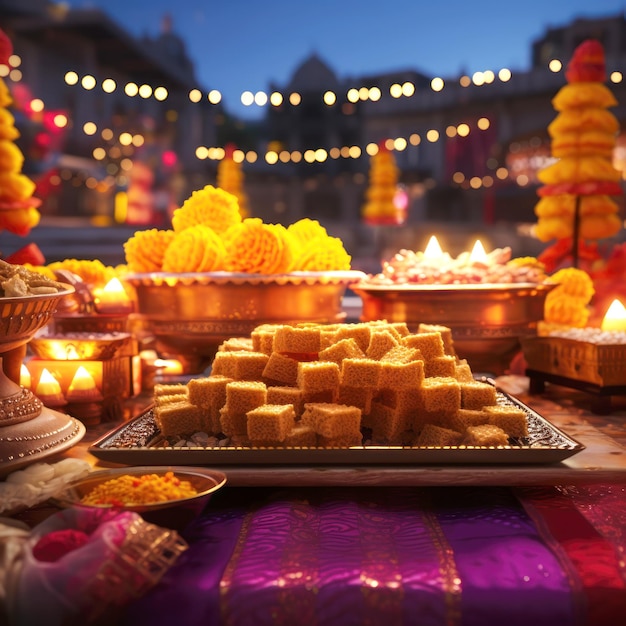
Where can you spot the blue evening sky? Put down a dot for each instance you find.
(240, 45)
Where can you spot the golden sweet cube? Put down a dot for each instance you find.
(286, 395)
(360, 373)
(326, 396)
(386, 423)
(270, 422)
(316, 376)
(179, 418)
(249, 365)
(441, 366)
(441, 394)
(163, 399)
(444, 331)
(406, 402)
(332, 420)
(236, 344)
(513, 421)
(485, 435)
(263, 338)
(401, 375)
(381, 341)
(224, 364)
(243, 396)
(342, 349)
(297, 340)
(172, 389)
(210, 393)
(464, 418)
(301, 436)
(359, 332)
(429, 344)
(199, 390)
(437, 436)
(355, 396)
(402, 354)
(233, 424)
(463, 372)
(282, 369)
(476, 394)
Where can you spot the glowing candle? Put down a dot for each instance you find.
(113, 298)
(171, 367)
(615, 317)
(83, 387)
(478, 254)
(25, 378)
(433, 249)
(49, 390)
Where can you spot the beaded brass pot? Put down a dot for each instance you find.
(29, 431)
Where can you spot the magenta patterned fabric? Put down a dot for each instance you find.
(385, 556)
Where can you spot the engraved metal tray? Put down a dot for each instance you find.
(139, 442)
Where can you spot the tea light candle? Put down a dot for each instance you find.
(113, 298)
(83, 387)
(49, 390)
(615, 317)
(433, 250)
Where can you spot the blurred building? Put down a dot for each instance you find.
(82, 141)
(468, 147)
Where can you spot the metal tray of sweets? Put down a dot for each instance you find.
(139, 442)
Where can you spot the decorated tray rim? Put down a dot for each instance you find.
(444, 288)
(240, 278)
(368, 455)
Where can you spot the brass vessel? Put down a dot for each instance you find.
(189, 315)
(487, 320)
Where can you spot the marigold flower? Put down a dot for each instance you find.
(323, 254)
(306, 229)
(93, 272)
(210, 206)
(196, 249)
(573, 282)
(254, 248)
(144, 251)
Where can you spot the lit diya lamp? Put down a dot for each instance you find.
(48, 390)
(112, 299)
(84, 397)
(615, 317)
(487, 299)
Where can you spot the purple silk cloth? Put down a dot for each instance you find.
(340, 556)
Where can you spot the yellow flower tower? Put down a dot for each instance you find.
(379, 206)
(230, 178)
(575, 199)
(18, 207)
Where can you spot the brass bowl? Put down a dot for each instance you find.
(487, 320)
(175, 514)
(189, 315)
(22, 317)
(84, 346)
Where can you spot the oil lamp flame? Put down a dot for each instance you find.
(433, 250)
(615, 317)
(478, 254)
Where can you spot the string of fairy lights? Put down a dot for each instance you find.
(275, 155)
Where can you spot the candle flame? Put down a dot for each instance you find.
(82, 380)
(172, 367)
(48, 384)
(25, 378)
(615, 317)
(114, 286)
(433, 249)
(478, 254)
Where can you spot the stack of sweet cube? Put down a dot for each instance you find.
(310, 385)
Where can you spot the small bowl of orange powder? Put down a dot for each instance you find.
(168, 496)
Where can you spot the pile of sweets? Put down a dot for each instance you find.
(583, 138)
(17, 281)
(312, 385)
(409, 267)
(208, 234)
